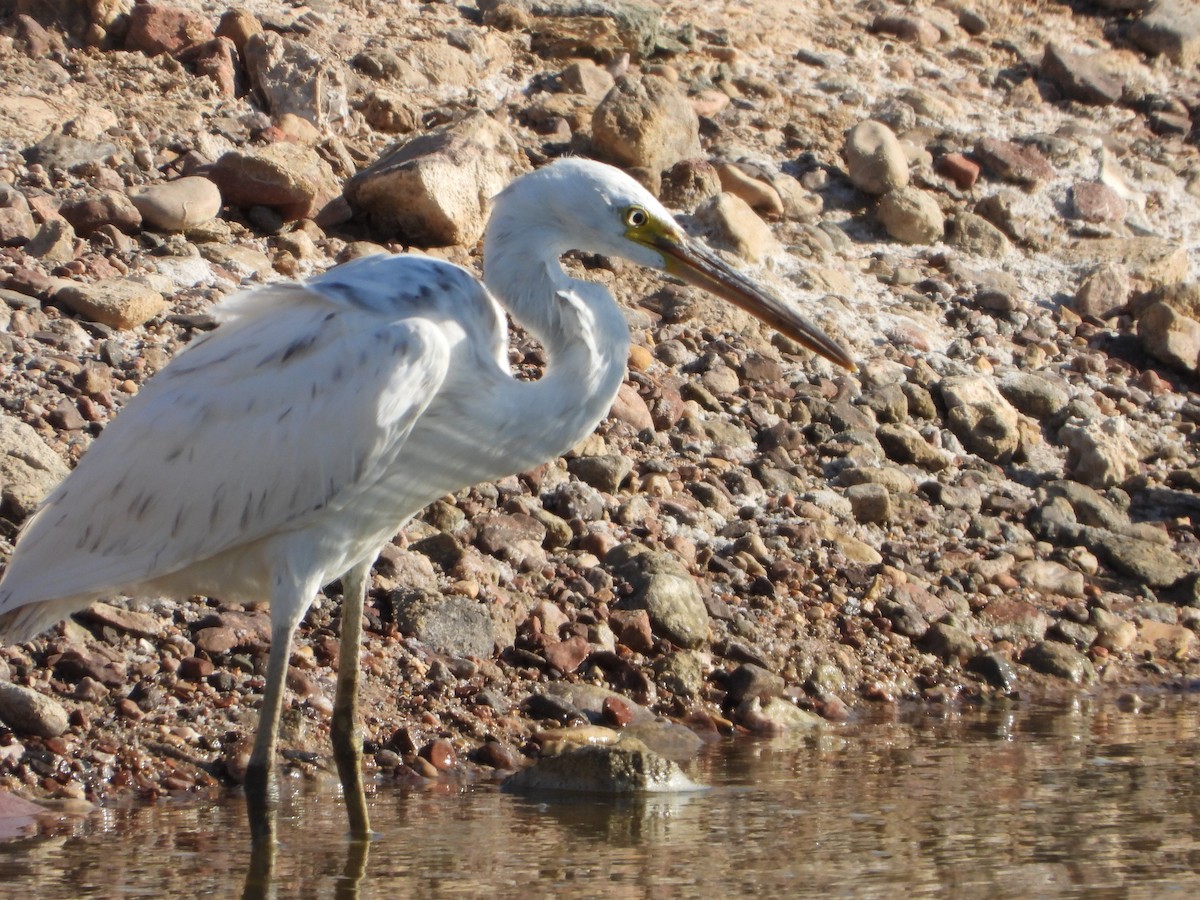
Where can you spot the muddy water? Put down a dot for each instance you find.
(1090, 800)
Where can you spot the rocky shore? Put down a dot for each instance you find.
(995, 206)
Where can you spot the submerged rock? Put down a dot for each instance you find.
(628, 767)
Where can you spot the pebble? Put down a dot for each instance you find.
(731, 224)
(983, 420)
(974, 234)
(871, 503)
(292, 77)
(911, 215)
(1170, 337)
(1093, 201)
(962, 171)
(180, 204)
(1104, 292)
(1017, 163)
(156, 28)
(1170, 28)
(118, 303)
(875, 159)
(107, 208)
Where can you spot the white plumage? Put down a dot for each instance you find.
(283, 449)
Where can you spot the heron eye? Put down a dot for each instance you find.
(636, 217)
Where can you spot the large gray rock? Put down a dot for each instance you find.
(628, 767)
(665, 589)
(1170, 28)
(452, 625)
(26, 711)
(434, 190)
(646, 123)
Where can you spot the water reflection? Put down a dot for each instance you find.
(1088, 800)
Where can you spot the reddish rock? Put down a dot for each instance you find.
(568, 655)
(155, 28)
(497, 755)
(616, 712)
(630, 408)
(228, 630)
(956, 167)
(289, 178)
(113, 208)
(216, 59)
(632, 628)
(127, 709)
(494, 533)
(1081, 77)
(127, 620)
(1013, 162)
(195, 668)
(440, 754)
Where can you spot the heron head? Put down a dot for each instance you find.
(634, 225)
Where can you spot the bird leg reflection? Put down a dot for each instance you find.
(344, 729)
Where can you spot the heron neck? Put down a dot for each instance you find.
(581, 328)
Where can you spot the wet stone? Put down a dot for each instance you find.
(995, 669)
(1060, 660)
(949, 642)
(628, 767)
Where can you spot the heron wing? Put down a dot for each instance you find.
(256, 428)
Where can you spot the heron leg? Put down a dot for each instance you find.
(289, 599)
(345, 729)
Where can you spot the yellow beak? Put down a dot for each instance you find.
(697, 265)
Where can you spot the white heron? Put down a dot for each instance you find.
(283, 449)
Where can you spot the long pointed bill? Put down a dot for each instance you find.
(699, 266)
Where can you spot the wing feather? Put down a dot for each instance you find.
(294, 405)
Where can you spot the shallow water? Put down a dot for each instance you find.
(1087, 800)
